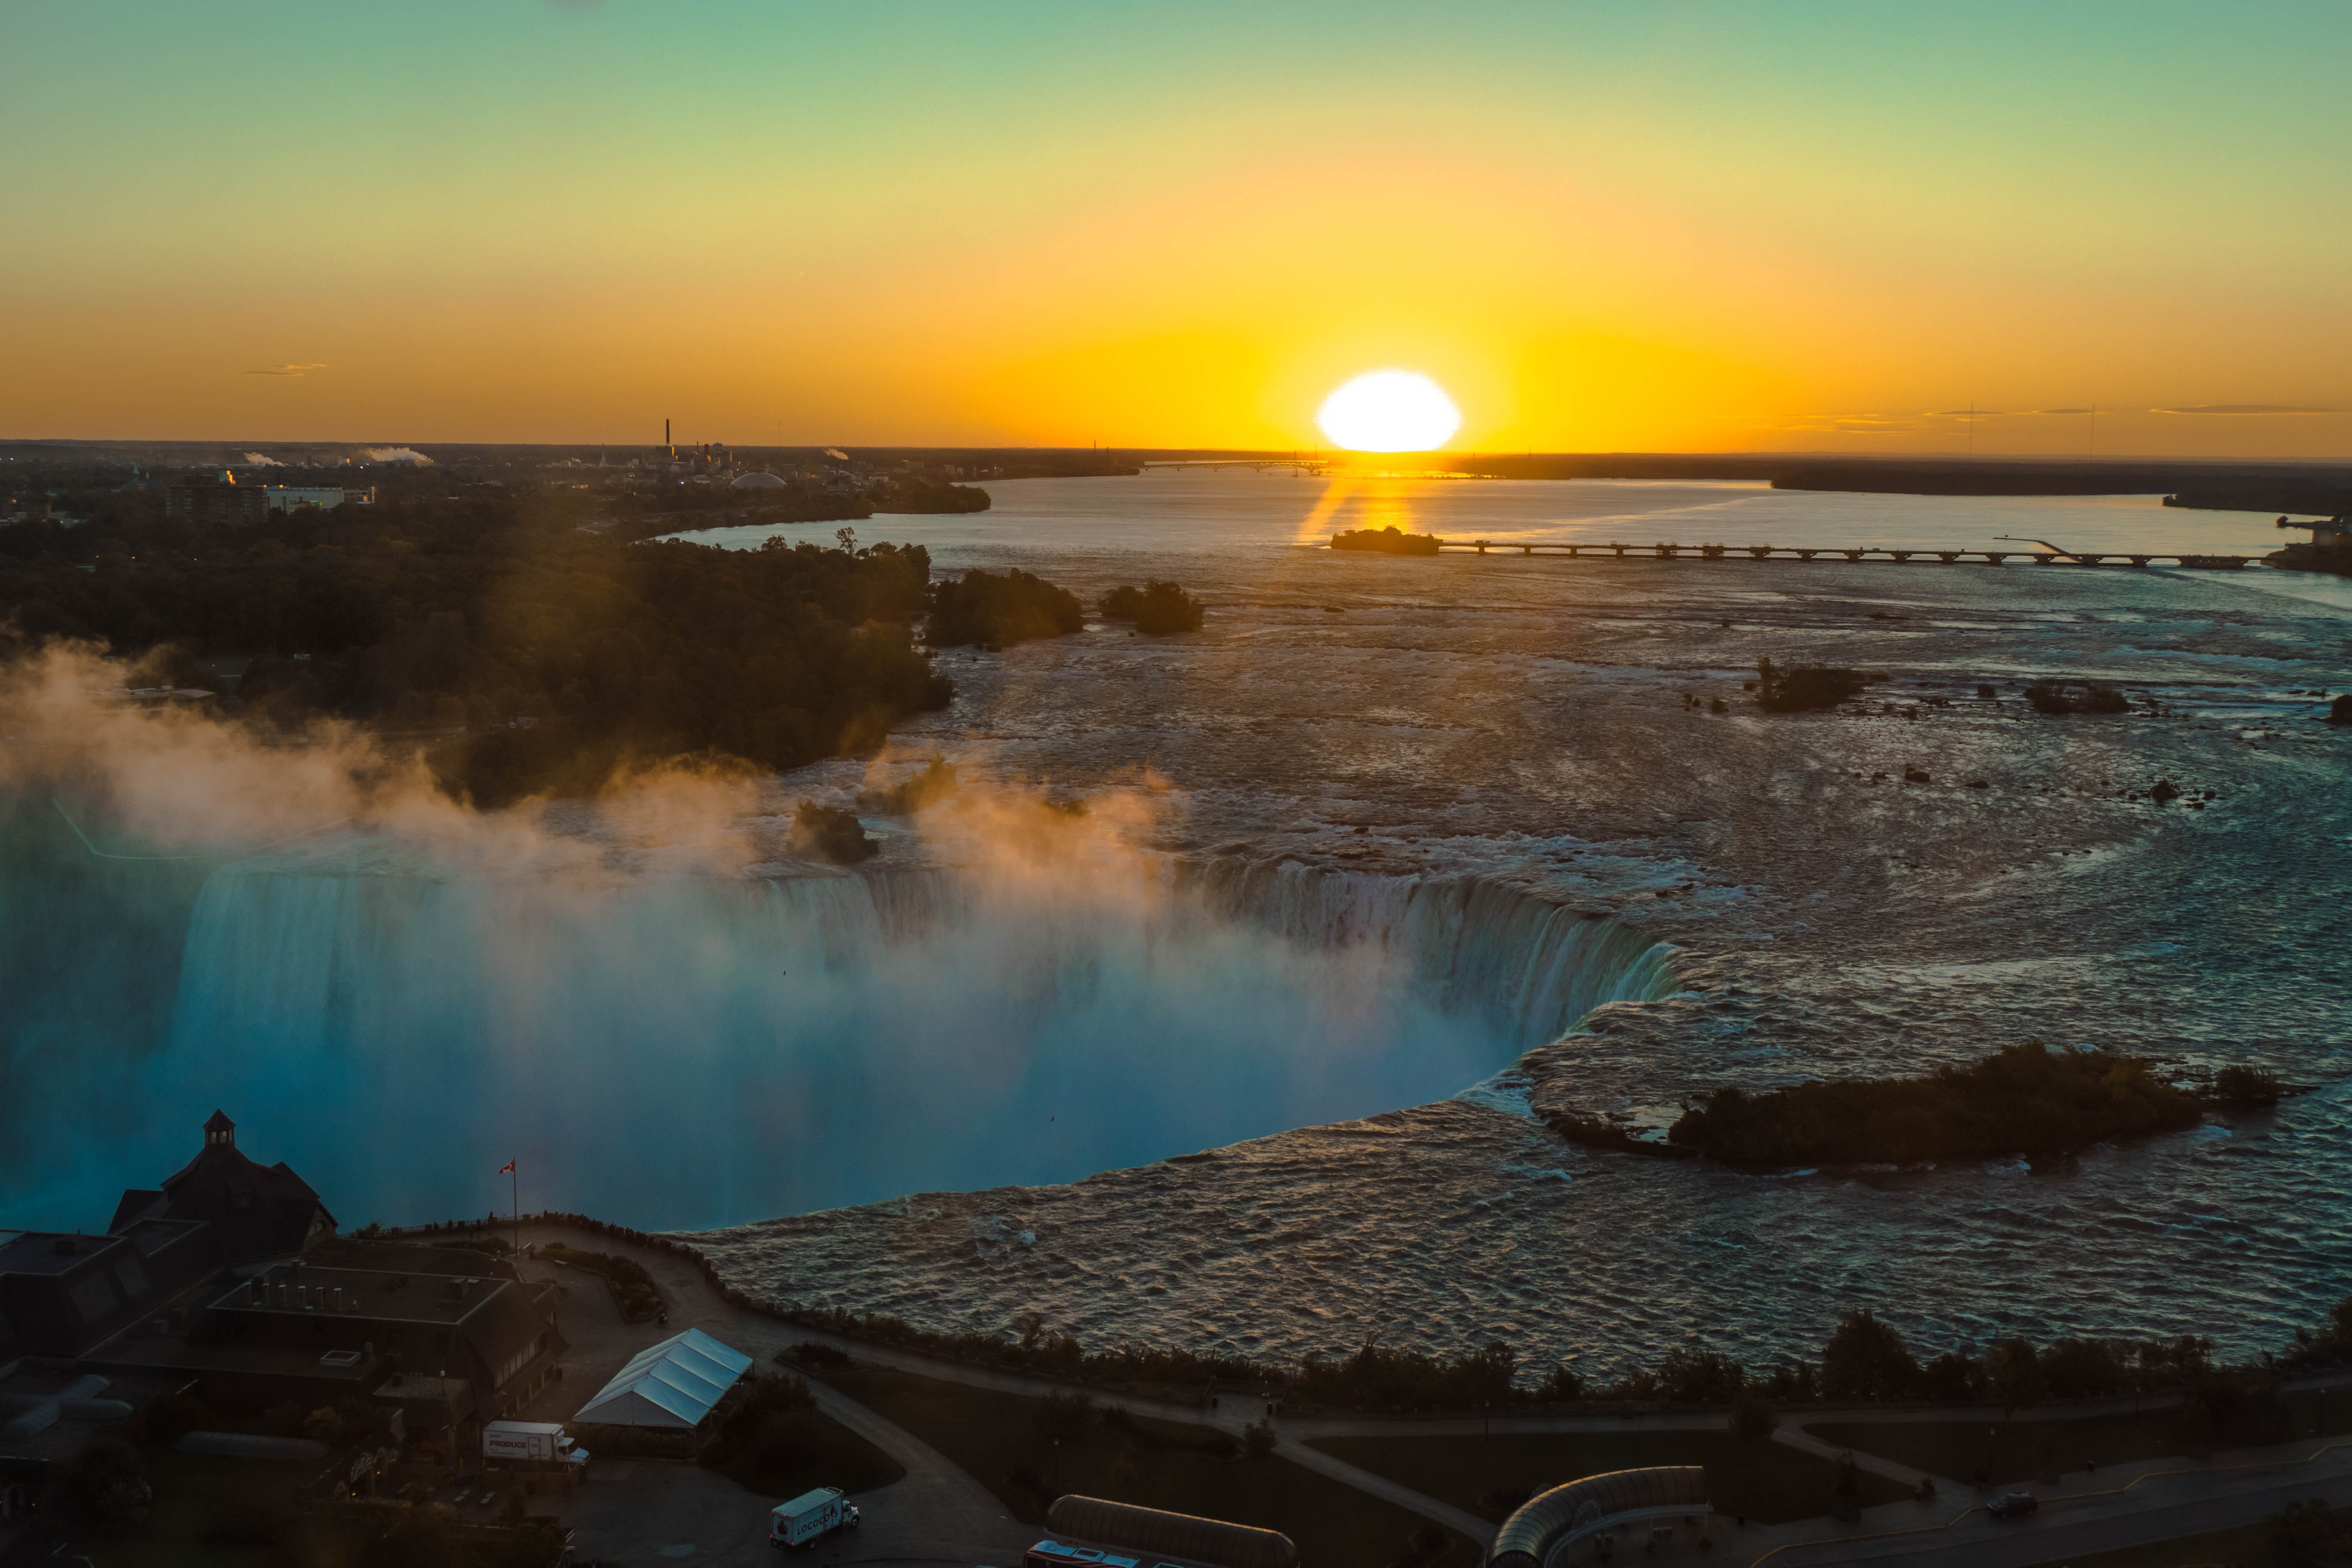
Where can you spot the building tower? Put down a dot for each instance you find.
(220, 1132)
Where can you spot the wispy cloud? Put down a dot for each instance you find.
(1846, 424)
(287, 370)
(1966, 413)
(2065, 411)
(2246, 408)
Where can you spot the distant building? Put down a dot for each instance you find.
(326, 497)
(222, 501)
(215, 502)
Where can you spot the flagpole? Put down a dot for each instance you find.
(514, 1169)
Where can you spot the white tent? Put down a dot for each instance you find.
(674, 1384)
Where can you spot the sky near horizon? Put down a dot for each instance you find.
(1696, 226)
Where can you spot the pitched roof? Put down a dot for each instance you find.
(677, 1383)
(255, 1210)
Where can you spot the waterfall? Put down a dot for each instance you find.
(693, 1051)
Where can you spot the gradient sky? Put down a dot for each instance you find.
(1684, 226)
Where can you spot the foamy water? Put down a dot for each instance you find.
(1418, 818)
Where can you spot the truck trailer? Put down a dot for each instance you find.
(808, 1516)
(530, 1443)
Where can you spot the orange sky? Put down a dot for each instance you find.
(1703, 226)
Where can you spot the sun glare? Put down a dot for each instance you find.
(1389, 411)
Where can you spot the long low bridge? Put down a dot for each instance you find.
(2049, 556)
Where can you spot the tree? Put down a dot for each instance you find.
(1753, 1419)
(1157, 608)
(1695, 1376)
(1867, 1359)
(1258, 1439)
(2013, 1374)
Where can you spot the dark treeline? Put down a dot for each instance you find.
(1156, 610)
(2022, 1100)
(547, 657)
(997, 610)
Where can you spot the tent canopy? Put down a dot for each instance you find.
(674, 1384)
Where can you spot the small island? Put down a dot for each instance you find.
(1389, 541)
(2022, 1100)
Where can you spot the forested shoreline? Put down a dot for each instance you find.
(546, 657)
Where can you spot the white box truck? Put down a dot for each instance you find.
(800, 1521)
(530, 1442)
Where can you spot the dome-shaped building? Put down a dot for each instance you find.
(755, 483)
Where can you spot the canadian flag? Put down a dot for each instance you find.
(507, 1168)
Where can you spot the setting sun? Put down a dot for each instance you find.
(1389, 411)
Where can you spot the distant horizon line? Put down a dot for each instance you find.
(1265, 453)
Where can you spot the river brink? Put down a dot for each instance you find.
(1526, 721)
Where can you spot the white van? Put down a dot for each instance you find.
(800, 1521)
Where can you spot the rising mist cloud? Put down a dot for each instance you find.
(287, 370)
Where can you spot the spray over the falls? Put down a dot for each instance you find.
(670, 1032)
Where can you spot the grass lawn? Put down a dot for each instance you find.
(2029, 1450)
(1160, 1464)
(1767, 1481)
(804, 1451)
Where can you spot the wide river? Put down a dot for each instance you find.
(1392, 855)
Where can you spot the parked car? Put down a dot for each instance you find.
(2014, 1505)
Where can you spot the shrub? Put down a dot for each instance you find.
(2239, 1409)
(817, 1355)
(999, 611)
(829, 833)
(322, 1425)
(2240, 1085)
(1258, 1439)
(106, 1487)
(1753, 1419)
(2313, 1532)
(2062, 697)
(639, 1298)
(1562, 1384)
(1694, 1376)
(1157, 607)
(1804, 689)
(2013, 1374)
(1064, 1417)
(1376, 1377)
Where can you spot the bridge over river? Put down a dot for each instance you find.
(2047, 555)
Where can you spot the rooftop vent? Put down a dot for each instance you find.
(340, 1358)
